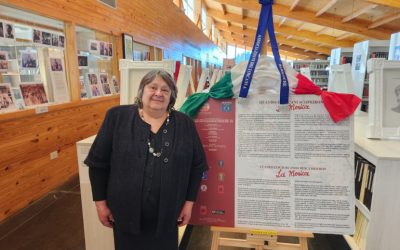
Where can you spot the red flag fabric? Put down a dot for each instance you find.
(338, 105)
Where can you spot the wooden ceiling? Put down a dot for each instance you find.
(306, 29)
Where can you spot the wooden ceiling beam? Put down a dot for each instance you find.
(345, 35)
(283, 19)
(390, 3)
(326, 7)
(301, 26)
(282, 48)
(384, 20)
(253, 22)
(282, 52)
(291, 42)
(359, 12)
(357, 26)
(294, 4)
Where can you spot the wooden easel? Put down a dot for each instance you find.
(258, 239)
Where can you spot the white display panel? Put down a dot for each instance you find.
(384, 98)
(182, 83)
(203, 79)
(132, 73)
(340, 79)
(394, 49)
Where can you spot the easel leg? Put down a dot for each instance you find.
(215, 240)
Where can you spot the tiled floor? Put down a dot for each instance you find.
(55, 223)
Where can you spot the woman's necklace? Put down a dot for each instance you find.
(165, 131)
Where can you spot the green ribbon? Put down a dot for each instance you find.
(221, 90)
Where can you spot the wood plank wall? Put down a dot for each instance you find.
(26, 172)
(27, 139)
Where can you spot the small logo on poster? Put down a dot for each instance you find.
(226, 107)
(221, 189)
(221, 176)
(218, 212)
(205, 107)
(203, 210)
(203, 188)
(205, 175)
(220, 163)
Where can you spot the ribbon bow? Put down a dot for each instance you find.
(339, 106)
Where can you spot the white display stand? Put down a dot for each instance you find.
(394, 49)
(132, 73)
(203, 78)
(340, 79)
(182, 83)
(361, 53)
(97, 236)
(214, 77)
(219, 75)
(384, 218)
(384, 106)
(338, 53)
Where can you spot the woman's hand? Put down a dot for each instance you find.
(186, 213)
(104, 214)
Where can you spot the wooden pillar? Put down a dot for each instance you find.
(71, 64)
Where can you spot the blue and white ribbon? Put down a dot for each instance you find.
(265, 22)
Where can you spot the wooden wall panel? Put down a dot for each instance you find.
(26, 171)
(171, 30)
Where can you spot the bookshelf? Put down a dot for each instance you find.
(377, 169)
(318, 70)
(363, 51)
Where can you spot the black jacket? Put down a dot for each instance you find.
(120, 148)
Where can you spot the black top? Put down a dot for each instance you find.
(120, 160)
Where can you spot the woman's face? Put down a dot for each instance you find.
(156, 95)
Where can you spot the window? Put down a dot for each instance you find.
(240, 55)
(188, 6)
(230, 54)
(203, 18)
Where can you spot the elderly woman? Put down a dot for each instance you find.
(145, 167)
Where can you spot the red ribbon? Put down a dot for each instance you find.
(339, 106)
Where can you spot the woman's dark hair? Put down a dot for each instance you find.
(149, 77)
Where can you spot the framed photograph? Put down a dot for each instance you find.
(37, 36)
(7, 102)
(110, 50)
(54, 40)
(84, 91)
(46, 38)
(3, 65)
(19, 101)
(127, 45)
(105, 84)
(95, 87)
(102, 49)
(1, 30)
(115, 85)
(29, 59)
(384, 99)
(33, 93)
(3, 55)
(94, 46)
(82, 61)
(56, 64)
(9, 31)
(61, 41)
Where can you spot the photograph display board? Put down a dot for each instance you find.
(384, 97)
(293, 170)
(340, 79)
(394, 49)
(359, 66)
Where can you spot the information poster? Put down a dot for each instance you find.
(216, 126)
(293, 170)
